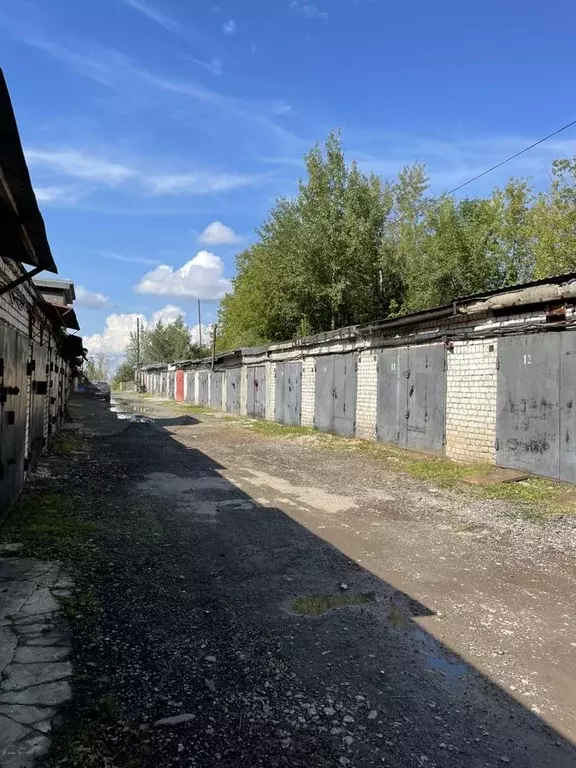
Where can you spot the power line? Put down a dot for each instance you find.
(512, 157)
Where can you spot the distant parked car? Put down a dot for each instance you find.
(104, 388)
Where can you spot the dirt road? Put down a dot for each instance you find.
(459, 651)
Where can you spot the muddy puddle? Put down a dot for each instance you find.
(128, 412)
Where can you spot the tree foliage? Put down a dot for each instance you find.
(351, 247)
(163, 343)
(97, 367)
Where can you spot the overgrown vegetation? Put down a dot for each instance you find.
(352, 247)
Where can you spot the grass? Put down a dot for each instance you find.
(317, 605)
(396, 617)
(46, 525)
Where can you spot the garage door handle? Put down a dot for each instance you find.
(407, 415)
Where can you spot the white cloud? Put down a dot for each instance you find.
(196, 183)
(200, 278)
(217, 233)
(214, 65)
(115, 336)
(154, 15)
(90, 299)
(308, 10)
(229, 27)
(167, 314)
(128, 259)
(83, 165)
(57, 195)
(80, 165)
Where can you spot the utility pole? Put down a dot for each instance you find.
(199, 327)
(214, 344)
(137, 377)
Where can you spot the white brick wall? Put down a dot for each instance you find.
(471, 400)
(270, 391)
(308, 391)
(366, 392)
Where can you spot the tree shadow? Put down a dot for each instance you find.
(197, 587)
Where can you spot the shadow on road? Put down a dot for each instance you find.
(196, 579)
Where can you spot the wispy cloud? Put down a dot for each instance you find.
(80, 165)
(100, 171)
(90, 299)
(128, 259)
(57, 195)
(171, 25)
(229, 27)
(308, 10)
(214, 66)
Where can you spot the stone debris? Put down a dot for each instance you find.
(185, 717)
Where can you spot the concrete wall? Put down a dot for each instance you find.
(308, 391)
(270, 391)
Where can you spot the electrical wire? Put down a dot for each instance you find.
(512, 157)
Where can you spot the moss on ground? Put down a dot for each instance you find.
(317, 605)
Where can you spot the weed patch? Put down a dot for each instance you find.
(317, 605)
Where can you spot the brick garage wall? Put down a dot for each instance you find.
(471, 400)
(270, 391)
(308, 391)
(366, 391)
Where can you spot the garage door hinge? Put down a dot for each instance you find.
(497, 444)
(497, 364)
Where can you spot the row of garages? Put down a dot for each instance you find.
(502, 396)
(38, 357)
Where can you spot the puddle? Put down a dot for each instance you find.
(134, 414)
(438, 661)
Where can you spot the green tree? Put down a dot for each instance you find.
(97, 367)
(553, 222)
(124, 372)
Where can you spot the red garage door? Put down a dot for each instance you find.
(179, 386)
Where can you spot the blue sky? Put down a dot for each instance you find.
(147, 121)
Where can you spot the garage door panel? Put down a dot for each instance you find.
(345, 395)
(388, 396)
(287, 405)
(426, 398)
(324, 405)
(216, 390)
(528, 410)
(233, 390)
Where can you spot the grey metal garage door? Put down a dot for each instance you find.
(411, 397)
(190, 384)
(38, 394)
(233, 390)
(203, 389)
(536, 414)
(256, 392)
(288, 392)
(335, 398)
(13, 407)
(171, 384)
(216, 390)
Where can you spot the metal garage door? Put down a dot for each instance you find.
(216, 390)
(13, 406)
(190, 384)
(388, 411)
(335, 399)
(171, 384)
(411, 398)
(536, 418)
(203, 390)
(256, 392)
(288, 392)
(38, 395)
(233, 390)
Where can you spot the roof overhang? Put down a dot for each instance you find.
(72, 346)
(22, 231)
(65, 287)
(63, 316)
